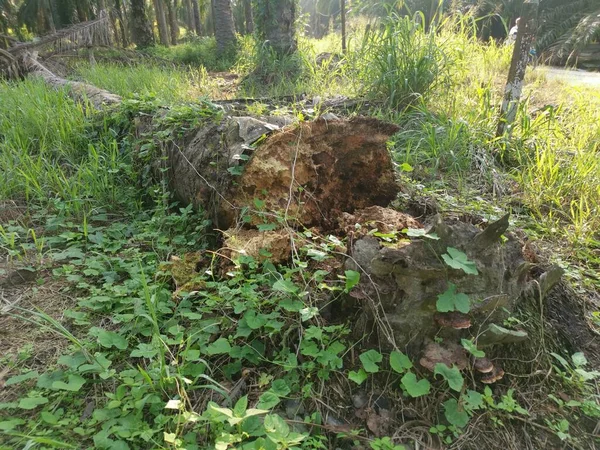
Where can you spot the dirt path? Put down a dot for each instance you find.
(573, 77)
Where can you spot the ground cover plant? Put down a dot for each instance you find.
(125, 325)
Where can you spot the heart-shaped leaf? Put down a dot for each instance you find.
(450, 300)
(358, 377)
(458, 260)
(370, 360)
(451, 375)
(413, 387)
(400, 362)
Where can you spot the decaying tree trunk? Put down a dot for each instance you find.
(336, 177)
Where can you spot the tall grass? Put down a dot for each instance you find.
(48, 152)
(167, 84)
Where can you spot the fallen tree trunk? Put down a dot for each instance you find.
(79, 91)
(261, 180)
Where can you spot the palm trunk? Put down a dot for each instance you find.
(172, 16)
(224, 29)
(122, 23)
(248, 15)
(197, 23)
(141, 30)
(163, 31)
(189, 16)
(276, 21)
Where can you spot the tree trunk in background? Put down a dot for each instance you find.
(163, 31)
(248, 15)
(122, 26)
(224, 29)
(141, 30)
(275, 22)
(189, 16)
(518, 66)
(172, 16)
(197, 22)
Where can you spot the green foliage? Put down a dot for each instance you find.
(451, 374)
(400, 63)
(458, 260)
(450, 300)
(415, 388)
(371, 360)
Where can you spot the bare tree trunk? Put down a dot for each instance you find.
(163, 31)
(224, 29)
(518, 66)
(172, 16)
(141, 30)
(248, 15)
(197, 22)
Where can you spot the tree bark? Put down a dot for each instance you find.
(173, 24)
(276, 24)
(518, 67)
(141, 29)
(163, 31)
(248, 16)
(197, 21)
(224, 29)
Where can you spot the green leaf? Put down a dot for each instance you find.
(579, 359)
(452, 375)
(413, 387)
(110, 339)
(420, 232)
(291, 305)
(20, 378)
(450, 300)
(458, 260)
(267, 400)
(470, 346)
(352, 279)
(472, 400)
(219, 347)
(240, 407)
(276, 426)
(370, 360)
(454, 414)
(280, 388)
(49, 418)
(399, 362)
(358, 377)
(308, 313)
(9, 425)
(32, 402)
(254, 320)
(74, 384)
(285, 286)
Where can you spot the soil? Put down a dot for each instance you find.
(23, 342)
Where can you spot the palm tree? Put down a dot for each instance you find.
(141, 30)
(565, 27)
(224, 30)
(276, 24)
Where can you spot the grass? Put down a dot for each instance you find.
(156, 367)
